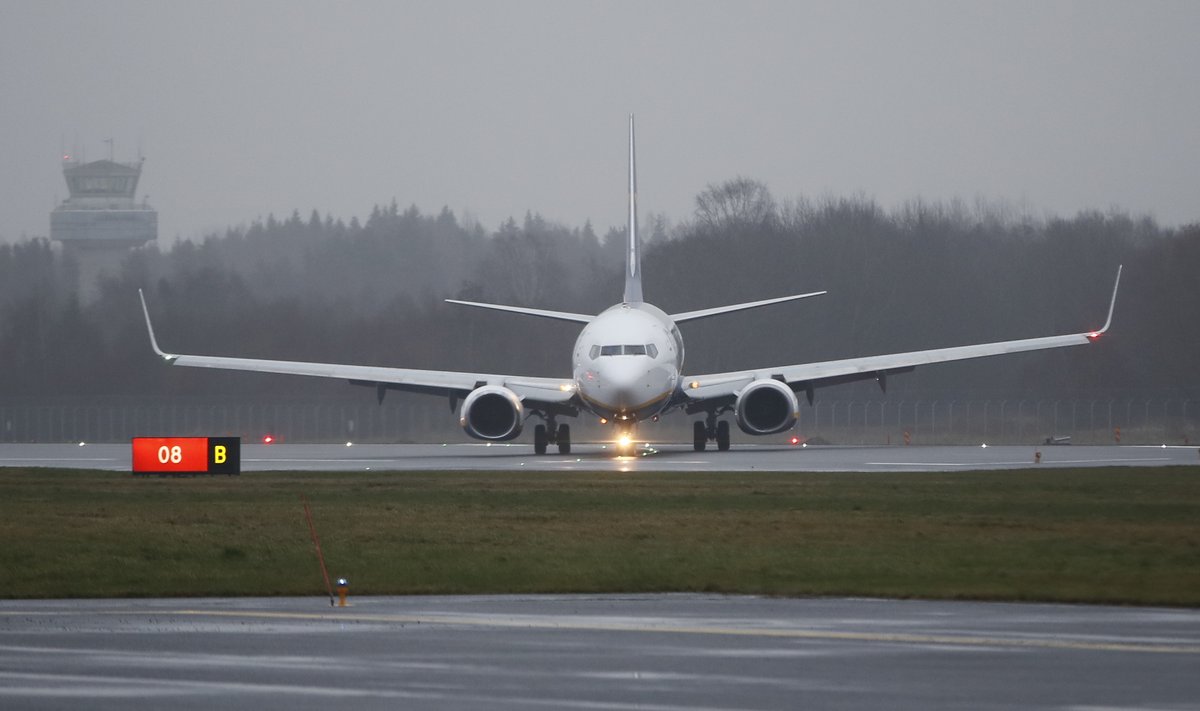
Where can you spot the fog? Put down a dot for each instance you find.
(245, 110)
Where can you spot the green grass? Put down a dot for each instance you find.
(1103, 535)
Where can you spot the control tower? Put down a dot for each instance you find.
(101, 222)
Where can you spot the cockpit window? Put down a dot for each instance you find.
(594, 352)
(634, 349)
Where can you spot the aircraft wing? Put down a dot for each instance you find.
(555, 391)
(806, 376)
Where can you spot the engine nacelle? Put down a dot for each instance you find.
(493, 413)
(766, 407)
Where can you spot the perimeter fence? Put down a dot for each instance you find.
(1133, 420)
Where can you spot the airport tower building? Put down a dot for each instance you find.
(101, 222)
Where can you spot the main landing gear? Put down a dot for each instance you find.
(544, 436)
(710, 429)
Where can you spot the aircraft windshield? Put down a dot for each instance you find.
(601, 351)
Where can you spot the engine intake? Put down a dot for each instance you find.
(493, 413)
(766, 407)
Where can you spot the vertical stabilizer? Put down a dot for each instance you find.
(633, 266)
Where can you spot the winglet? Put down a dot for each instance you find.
(633, 268)
(1112, 305)
(150, 329)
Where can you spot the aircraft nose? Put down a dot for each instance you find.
(623, 373)
(625, 380)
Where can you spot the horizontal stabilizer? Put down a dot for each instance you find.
(557, 315)
(705, 313)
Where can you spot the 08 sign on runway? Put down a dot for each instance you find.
(186, 455)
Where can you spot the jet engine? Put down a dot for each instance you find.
(493, 413)
(766, 407)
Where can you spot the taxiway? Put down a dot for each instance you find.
(660, 652)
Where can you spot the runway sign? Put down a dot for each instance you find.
(187, 455)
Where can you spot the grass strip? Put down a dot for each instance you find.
(1109, 535)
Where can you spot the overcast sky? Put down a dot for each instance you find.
(494, 108)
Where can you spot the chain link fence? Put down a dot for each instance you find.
(1130, 420)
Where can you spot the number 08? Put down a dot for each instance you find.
(173, 455)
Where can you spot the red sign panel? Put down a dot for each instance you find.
(186, 455)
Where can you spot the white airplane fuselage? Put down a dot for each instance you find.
(627, 362)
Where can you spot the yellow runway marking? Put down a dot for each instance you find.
(569, 624)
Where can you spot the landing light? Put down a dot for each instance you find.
(624, 441)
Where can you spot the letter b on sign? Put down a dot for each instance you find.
(224, 455)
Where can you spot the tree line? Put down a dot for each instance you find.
(923, 275)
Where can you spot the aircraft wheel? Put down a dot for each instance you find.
(564, 439)
(699, 436)
(723, 436)
(539, 439)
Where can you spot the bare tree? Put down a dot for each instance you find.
(738, 202)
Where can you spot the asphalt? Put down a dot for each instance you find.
(651, 457)
(660, 652)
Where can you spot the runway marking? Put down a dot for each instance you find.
(570, 624)
(45, 685)
(1103, 461)
(1023, 461)
(944, 464)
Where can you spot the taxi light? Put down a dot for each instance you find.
(624, 441)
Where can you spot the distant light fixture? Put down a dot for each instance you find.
(349, 444)
(268, 439)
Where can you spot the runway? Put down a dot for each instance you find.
(659, 652)
(652, 457)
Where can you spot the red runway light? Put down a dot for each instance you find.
(268, 439)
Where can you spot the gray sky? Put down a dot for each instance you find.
(249, 108)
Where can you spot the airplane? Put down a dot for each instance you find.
(627, 368)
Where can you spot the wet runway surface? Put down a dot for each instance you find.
(594, 652)
(666, 457)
